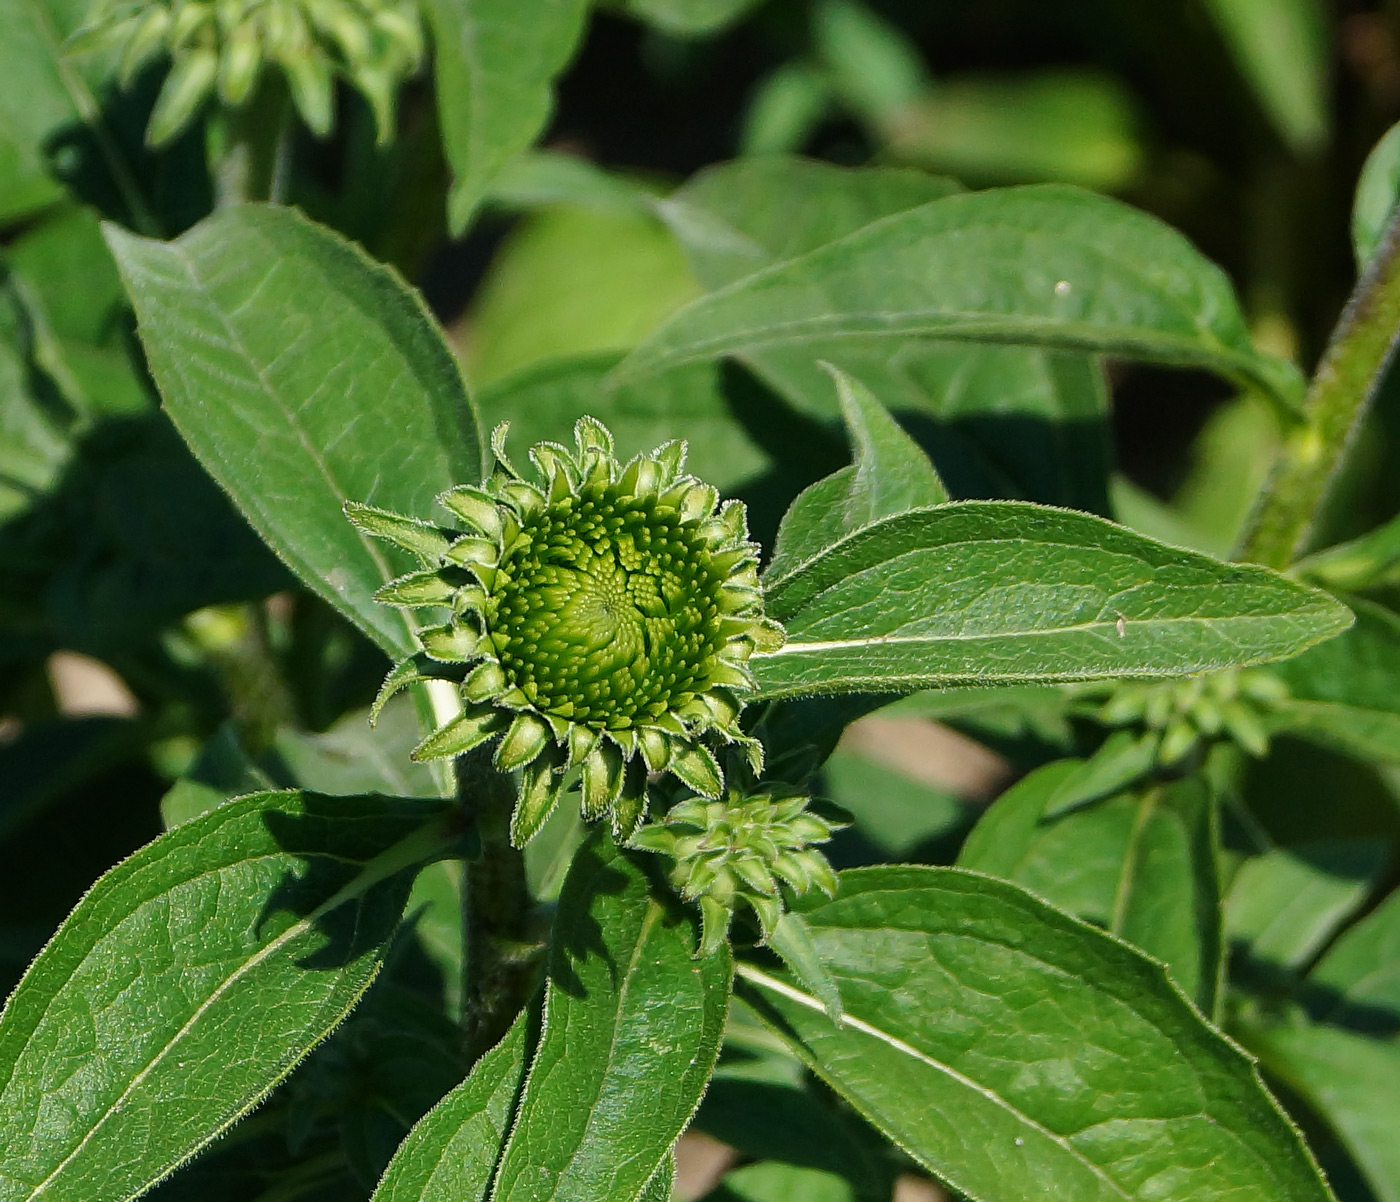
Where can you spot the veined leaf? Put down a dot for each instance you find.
(1020, 1054)
(1012, 421)
(1045, 266)
(891, 474)
(303, 375)
(993, 592)
(1342, 694)
(632, 1026)
(451, 1153)
(191, 979)
(496, 62)
(1141, 865)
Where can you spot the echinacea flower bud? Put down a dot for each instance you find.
(374, 44)
(742, 847)
(1184, 714)
(596, 623)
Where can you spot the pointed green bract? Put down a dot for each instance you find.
(740, 848)
(607, 612)
(375, 44)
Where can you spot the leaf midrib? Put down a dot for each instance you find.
(762, 980)
(373, 872)
(288, 415)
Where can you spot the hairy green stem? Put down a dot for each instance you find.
(497, 965)
(1347, 379)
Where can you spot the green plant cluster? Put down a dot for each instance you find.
(916, 694)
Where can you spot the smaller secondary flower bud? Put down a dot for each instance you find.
(742, 847)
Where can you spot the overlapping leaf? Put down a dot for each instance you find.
(1038, 266)
(191, 979)
(1019, 1054)
(632, 1024)
(303, 375)
(994, 592)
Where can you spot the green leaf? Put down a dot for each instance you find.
(572, 281)
(1122, 759)
(495, 66)
(1284, 905)
(875, 66)
(355, 757)
(1350, 1081)
(1039, 266)
(761, 1105)
(1376, 193)
(1062, 124)
(191, 979)
(1343, 692)
(632, 1025)
(892, 811)
(1109, 1086)
(537, 179)
(451, 1153)
(1370, 561)
(891, 474)
(542, 402)
(1280, 47)
(1359, 977)
(773, 1182)
(991, 592)
(786, 110)
(42, 94)
(738, 218)
(662, 1182)
(690, 18)
(1010, 421)
(1141, 865)
(303, 375)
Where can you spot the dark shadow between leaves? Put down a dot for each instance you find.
(577, 933)
(364, 924)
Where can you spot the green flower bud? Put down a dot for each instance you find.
(376, 46)
(1232, 704)
(602, 635)
(743, 847)
(187, 86)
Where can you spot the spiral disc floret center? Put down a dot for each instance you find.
(607, 612)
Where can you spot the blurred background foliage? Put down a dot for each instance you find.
(155, 657)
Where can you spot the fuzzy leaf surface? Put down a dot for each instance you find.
(303, 375)
(632, 1025)
(890, 474)
(452, 1151)
(1020, 1054)
(1046, 266)
(1141, 865)
(996, 592)
(496, 61)
(1007, 421)
(191, 979)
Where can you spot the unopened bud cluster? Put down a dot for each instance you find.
(223, 45)
(1185, 714)
(742, 848)
(599, 620)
